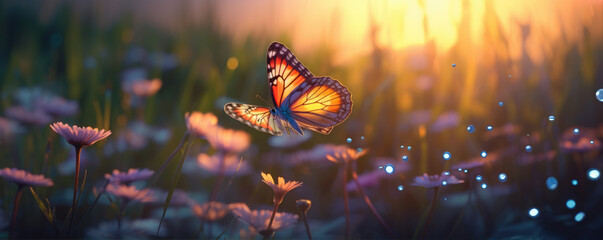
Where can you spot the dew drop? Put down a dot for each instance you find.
(465, 170)
(579, 216)
(405, 158)
(574, 182)
(528, 148)
(349, 140)
(400, 187)
(551, 183)
(470, 129)
(599, 95)
(501, 103)
(479, 178)
(593, 174)
(361, 137)
(401, 146)
(446, 155)
(446, 173)
(592, 142)
(489, 127)
(551, 118)
(570, 203)
(576, 131)
(509, 75)
(484, 154)
(484, 186)
(453, 65)
(389, 169)
(533, 212)
(502, 177)
(444, 183)
(409, 148)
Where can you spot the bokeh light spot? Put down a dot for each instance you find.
(533, 212)
(551, 183)
(389, 169)
(232, 63)
(470, 129)
(593, 174)
(502, 177)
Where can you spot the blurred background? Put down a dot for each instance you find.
(420, 72)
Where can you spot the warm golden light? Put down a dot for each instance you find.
(232, 63)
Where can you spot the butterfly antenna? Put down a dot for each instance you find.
(261, 98)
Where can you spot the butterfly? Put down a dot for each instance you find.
(300, 99)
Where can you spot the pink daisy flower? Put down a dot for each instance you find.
(146, 88)
(200, 124)
(28, 117)
(436, 180)
(79, 136)
(228, 140)
(349, 155)
(57, 107)
(132, 175)
(130, 193)
(210, 211)
(24, 178)
(228, 164)
(258, 220)
(280, 188)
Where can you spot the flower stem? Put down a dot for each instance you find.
(346, 203)
(303, 214)
(15, 210)
(370, 204)
(78, 151)
(273, 215)
(433, 203)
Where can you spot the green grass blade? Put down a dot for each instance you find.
(174, 184)
(45, 210)
(167, 161)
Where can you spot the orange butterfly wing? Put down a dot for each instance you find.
(285, 73)
(320, 104)
(257, 117)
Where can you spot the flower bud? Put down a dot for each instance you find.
(303, 204)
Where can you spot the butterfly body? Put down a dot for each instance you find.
(300, 99)
(284, 114)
